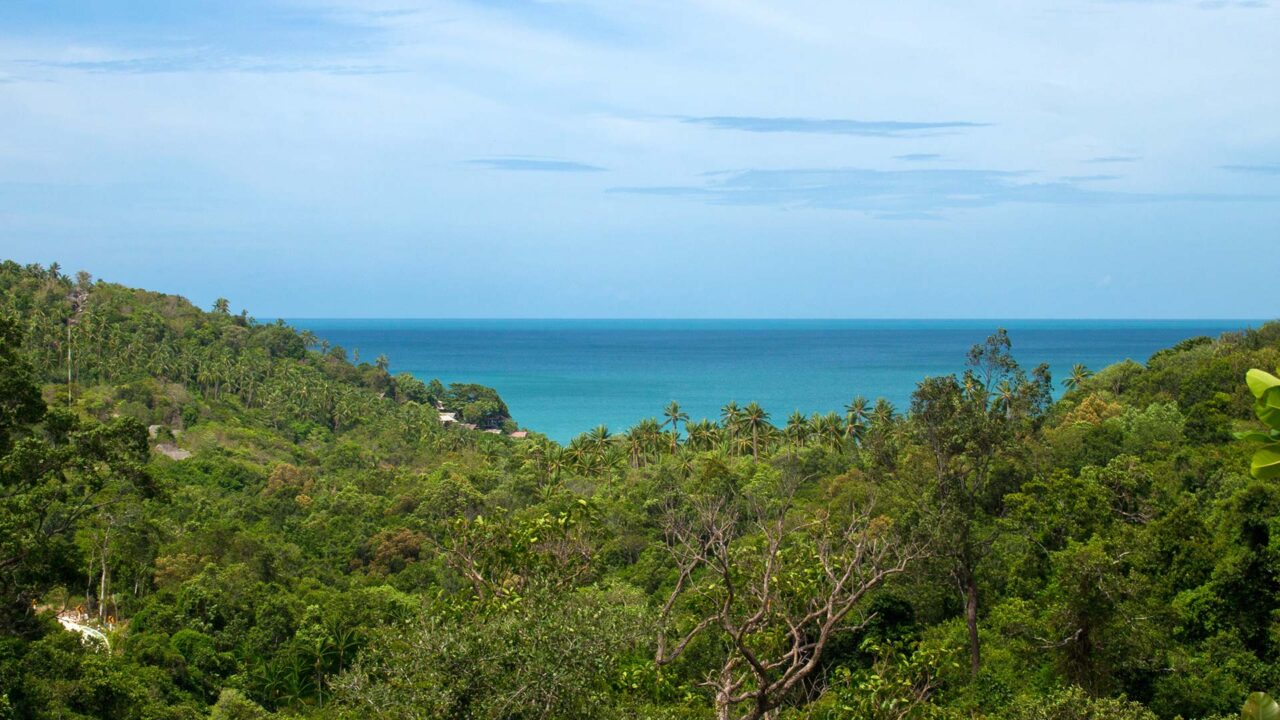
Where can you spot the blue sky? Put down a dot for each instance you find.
(681, 158)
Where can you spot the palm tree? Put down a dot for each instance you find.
(641, 440)
(636, 445)
(702, 435)
(674, 416)
(856, 418)
(883, 414)
(1005, 395)
(577, 453)
(830, 430)
(797, 430)
(755, 419)
(598, 440)
(1079, 373)
(730, 418)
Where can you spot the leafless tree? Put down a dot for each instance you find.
(773, 584)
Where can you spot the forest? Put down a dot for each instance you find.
(238, 521)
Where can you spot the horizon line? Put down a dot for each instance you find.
(771, 319)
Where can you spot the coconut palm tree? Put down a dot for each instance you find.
(883, 414)
(577, 452)
(643, 440)
(637, 446)
(598, 438)
(1079, 373)
(1005, 396)
(830, 430)
(730, 419)
(856, 418)
(797, 430)
(756, 421)
(674, 416)
(703, 435)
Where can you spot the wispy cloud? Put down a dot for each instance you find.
(1229, 4)
(1262, 169)
(918, 157)
(1089, 178)
(867, 128)
(194, 62)
(534, 164)
(1114, 159)
(888, 193)
(264, 36)
(1202, 4)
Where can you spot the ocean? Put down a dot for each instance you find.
(564, 377)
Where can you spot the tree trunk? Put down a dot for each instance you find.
(102, 584)
(971, 619)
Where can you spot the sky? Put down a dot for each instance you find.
(657, 158)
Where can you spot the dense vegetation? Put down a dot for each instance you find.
(329, 549)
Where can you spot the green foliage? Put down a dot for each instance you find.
(331, 550)
(551, 655)
(1074, 704)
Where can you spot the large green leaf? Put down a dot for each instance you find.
(1260, 381)
(1257, 436)
(1267, 414)
(1260, 706)
(1266, 464)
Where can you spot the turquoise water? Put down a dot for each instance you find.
(563, 377)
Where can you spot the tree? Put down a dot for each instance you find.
(797, 429)
(1079, 373)
(773, 584)
(52, 478)
(674, 416)
(964, 424)
(222, 306)
(755, 421)
(553, 655)
(829, 430)
(702, 435)
(857, 416)
(731, 420)
(20, 403)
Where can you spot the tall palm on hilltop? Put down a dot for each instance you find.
(598, 438)
(674, 416)
(556, 460)
(731, 419)
(577, 452)
(855, 417)
(830, 430)
(1005, 396)
(1079, 373)
(797, 430)
(703, 435)
(637, 445)
(883, 414)
(653, 436)
(755, 421)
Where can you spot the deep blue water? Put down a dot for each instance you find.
(563, 377)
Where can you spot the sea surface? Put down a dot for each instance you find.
(563, 377)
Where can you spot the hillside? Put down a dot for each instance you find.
(330, 549)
